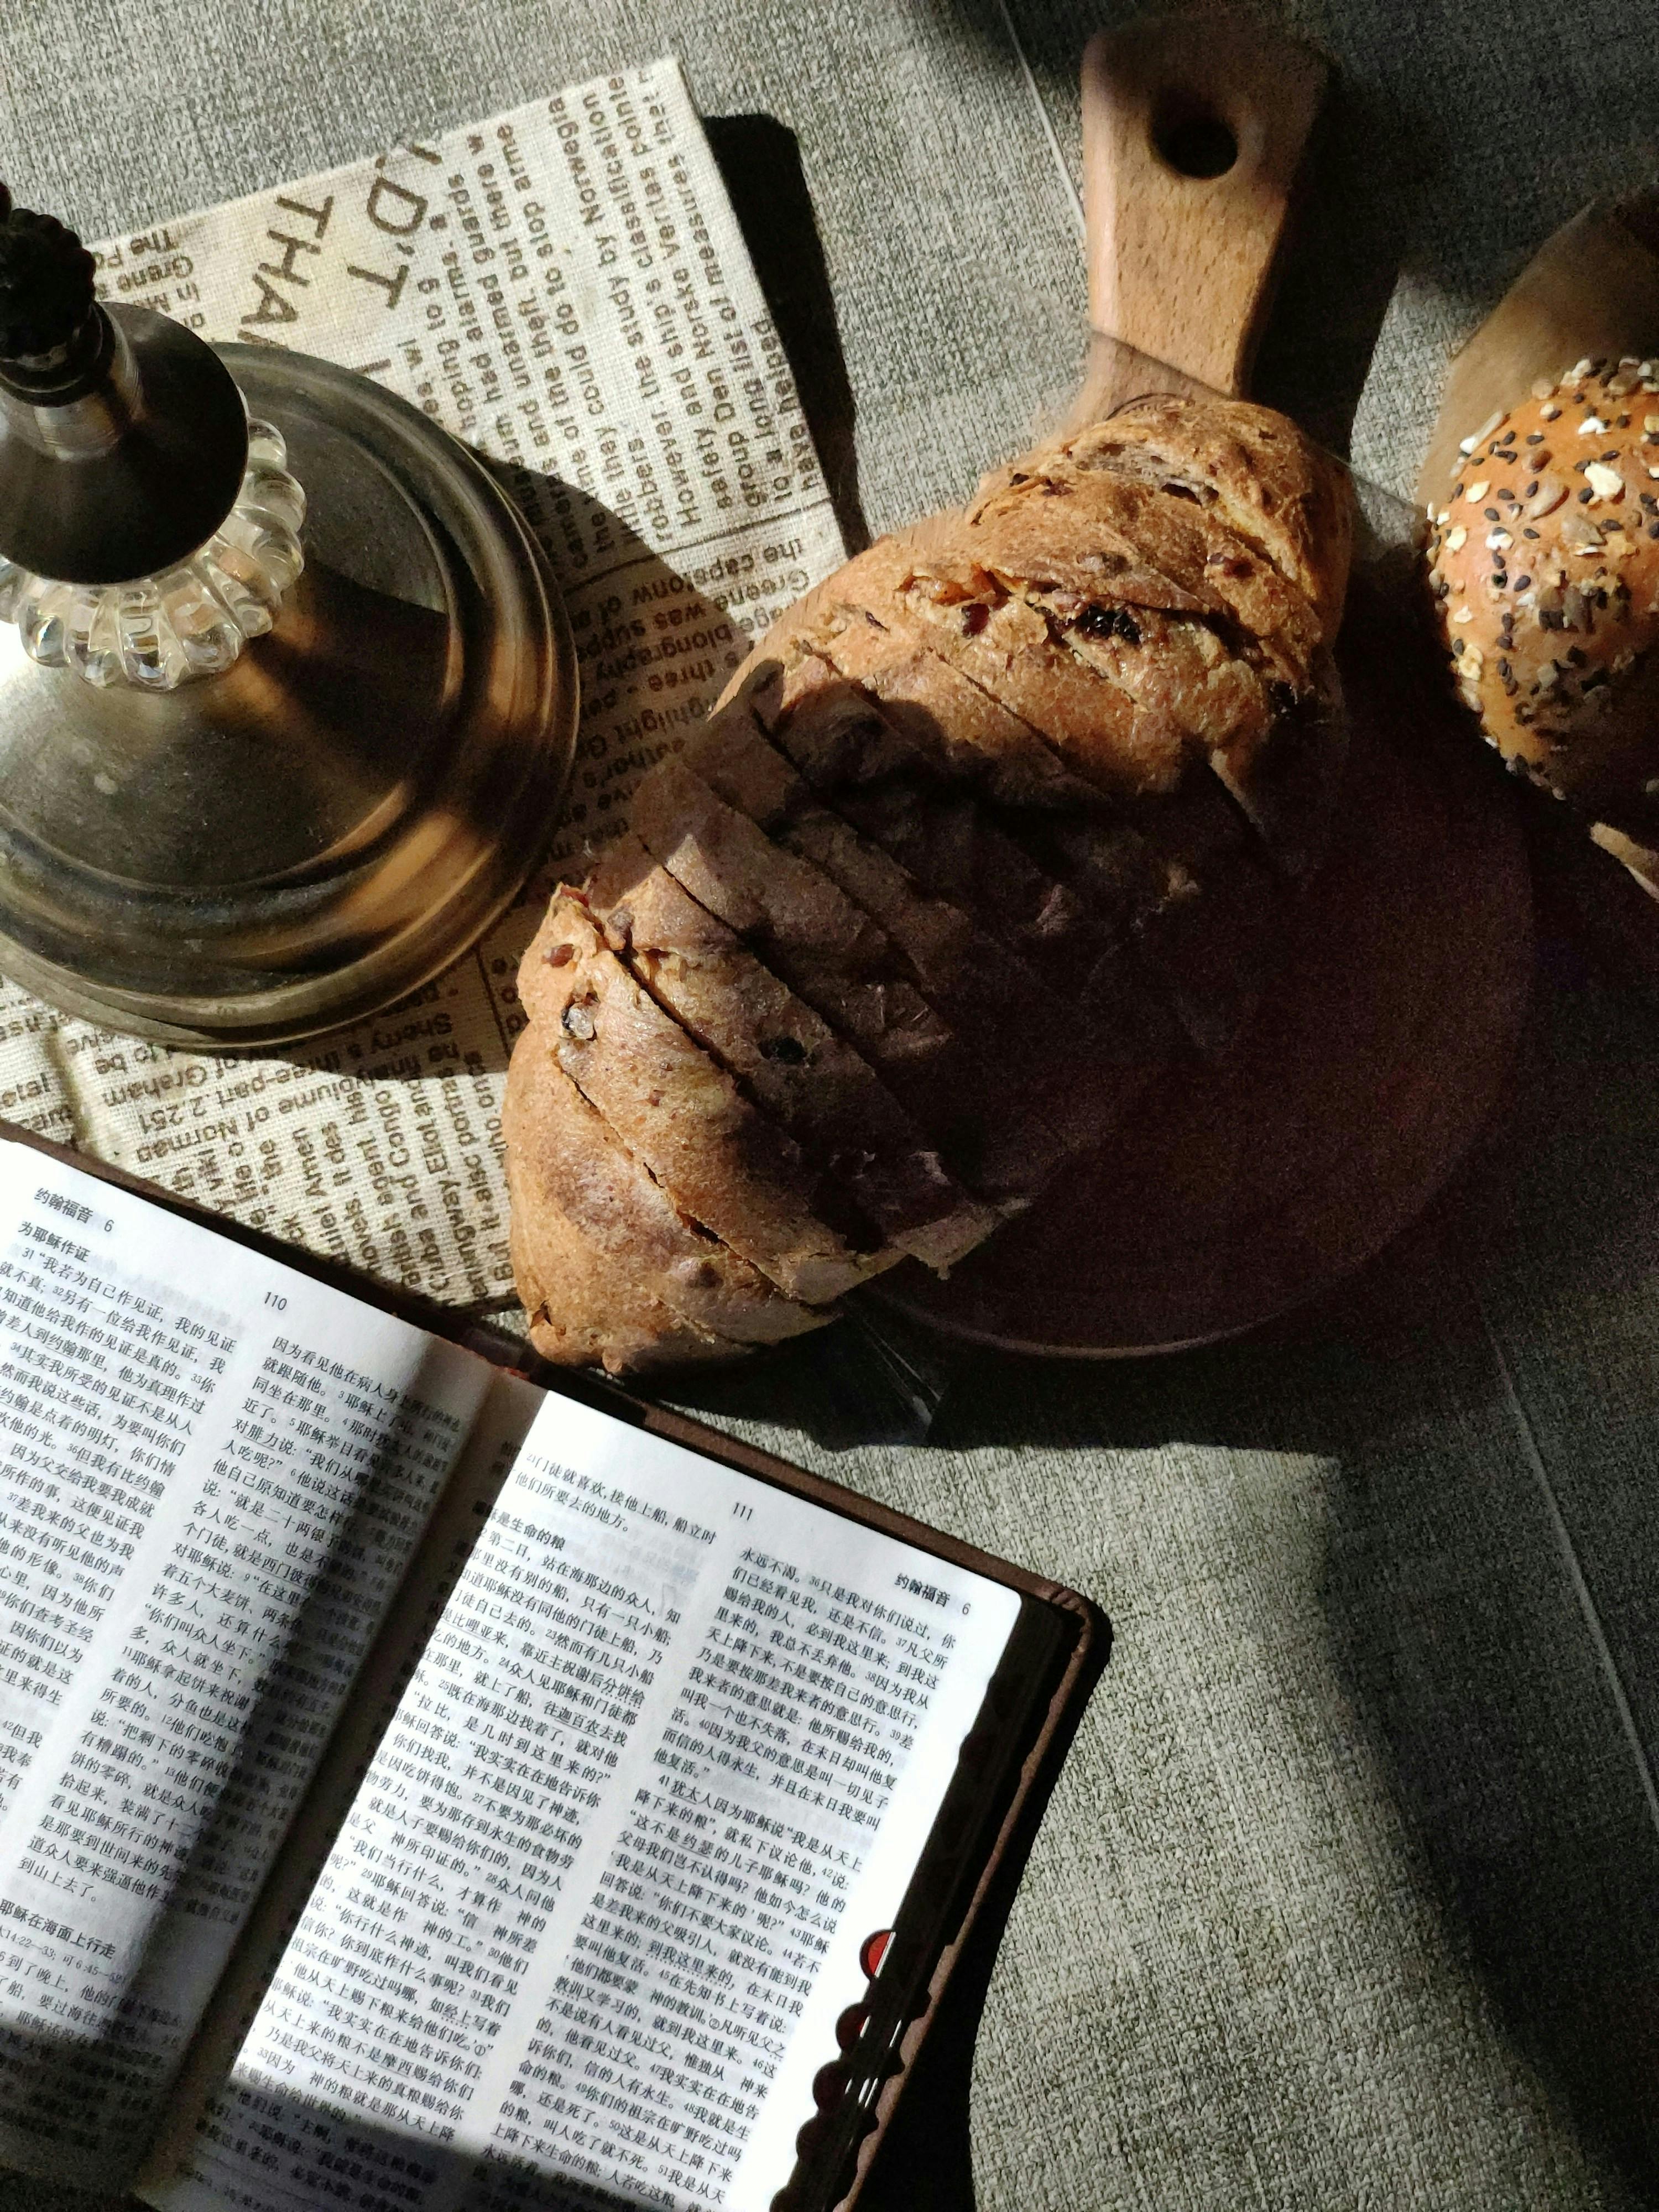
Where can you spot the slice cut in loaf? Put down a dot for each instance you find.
(572, 1177)
(809, 934)
(679, 1111)
(784, 1054)
(1038, 1084)
(800, 919)
(1001, 820)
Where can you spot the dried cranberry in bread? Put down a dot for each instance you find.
(1073, 502)
(1211, 976)
(1250, 467)
(1544, 563)
(937, 673)
(1003, 816)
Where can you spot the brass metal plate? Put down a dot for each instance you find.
(296, 843)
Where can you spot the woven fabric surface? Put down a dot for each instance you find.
(1346, 1896)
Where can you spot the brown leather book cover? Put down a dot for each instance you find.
(1059, 1645)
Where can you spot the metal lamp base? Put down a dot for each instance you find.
(298, 841)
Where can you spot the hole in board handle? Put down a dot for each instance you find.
(1191, 138)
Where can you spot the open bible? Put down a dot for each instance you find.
(420, 1788)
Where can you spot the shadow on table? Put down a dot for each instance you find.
(923, 2166)
(1441, 1390)
(1413, 170)
(759, 161)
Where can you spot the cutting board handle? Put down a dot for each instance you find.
(1193, 126)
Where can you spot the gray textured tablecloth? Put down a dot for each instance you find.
(1347, 1895)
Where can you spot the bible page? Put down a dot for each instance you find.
(215, 1474)
(671, 1755)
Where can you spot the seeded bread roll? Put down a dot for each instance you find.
(1002, 820)
(1545, 565)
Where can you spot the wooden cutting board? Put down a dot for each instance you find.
(1593, 288)
(1238, 1191)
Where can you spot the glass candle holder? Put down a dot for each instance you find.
(190, 620)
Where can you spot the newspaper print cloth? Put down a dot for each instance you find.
(565, 288)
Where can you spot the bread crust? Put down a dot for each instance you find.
(1070, 499)
(720, 1160)
(904, 651)
(569, 1169)
(1051, 704)
(794, 914)
(1270, 487)
(829, 951)
(1064, 692)
(1189, 696)
(952, 849)
(582, 1309)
